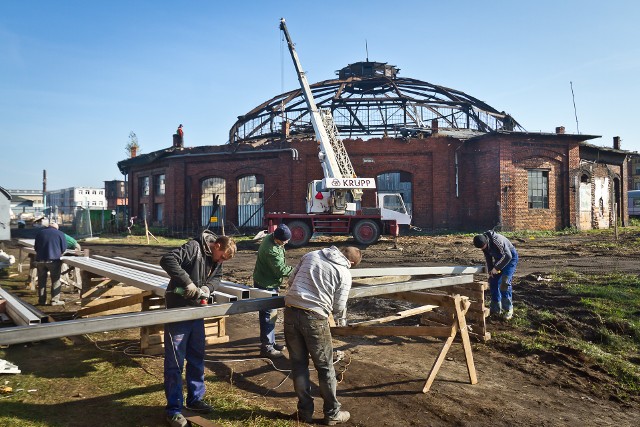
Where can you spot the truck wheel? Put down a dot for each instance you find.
(366, 232)
(300, 233)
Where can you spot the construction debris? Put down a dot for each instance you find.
(8, 368)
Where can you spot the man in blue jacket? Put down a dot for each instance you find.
(502, 258)
(194, 269)
(50, 244)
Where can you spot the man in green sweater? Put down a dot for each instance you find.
(269, 273)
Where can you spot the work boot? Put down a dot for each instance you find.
(177, 420)
(508, 314)
(271, 353)
(279, 347)
(57, 302)
(339, 418)
(199, 406)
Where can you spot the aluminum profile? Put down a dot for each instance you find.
(20, 314)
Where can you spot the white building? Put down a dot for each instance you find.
(69, 199)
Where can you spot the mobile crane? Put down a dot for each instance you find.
(331, 202)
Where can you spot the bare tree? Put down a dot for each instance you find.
(132, 148)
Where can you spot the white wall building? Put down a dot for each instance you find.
(70, 198)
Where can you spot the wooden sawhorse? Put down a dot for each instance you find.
(459, 306)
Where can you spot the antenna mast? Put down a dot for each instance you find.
(574, 107)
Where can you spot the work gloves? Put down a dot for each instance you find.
(205, 292)
(191, 291)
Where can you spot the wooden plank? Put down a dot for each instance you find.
(151, 340)
(379, 280)
(397, 316)
(461, 308)
(217, 340)
(401, 331)
(422, 298)
(438, 362)
(201, 421)
(113, 304)
(475, 294)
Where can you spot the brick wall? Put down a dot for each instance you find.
(456, 185)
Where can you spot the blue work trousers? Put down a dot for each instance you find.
(307, 333)
(501, 289)
(268, 328)
(183, 341)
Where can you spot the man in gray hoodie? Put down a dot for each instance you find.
(320, 286)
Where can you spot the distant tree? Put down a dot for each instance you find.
(132, 148)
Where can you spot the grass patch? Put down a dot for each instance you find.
(603, 326)
(73, 383)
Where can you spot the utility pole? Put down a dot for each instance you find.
(44, 191)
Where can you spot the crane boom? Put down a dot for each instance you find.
(333, 155)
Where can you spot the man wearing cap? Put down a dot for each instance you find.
(50, 244)
(269, 273)
(502, 258)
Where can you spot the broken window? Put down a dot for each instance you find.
(213, 201)
(250, 198)
(538, 184)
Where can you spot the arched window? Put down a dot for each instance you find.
(250, 199)
(213, 201)
(397, 182)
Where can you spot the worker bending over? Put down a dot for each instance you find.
(320, 286)
(502, 258)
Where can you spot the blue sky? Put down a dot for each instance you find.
(76, 77)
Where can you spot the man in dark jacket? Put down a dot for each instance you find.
(194, 268)
(502, 258)
(269, 273)
(50, 244)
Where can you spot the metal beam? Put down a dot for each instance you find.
(415, 271)
(20, 314)
(20, 334)
(220, 297)
(239, 292)
(414, 285)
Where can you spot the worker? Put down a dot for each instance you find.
(180, 133)
(502, 258)
(194, 270)
(50, 244)
(269, 273)
(319, 289)
(71, 242)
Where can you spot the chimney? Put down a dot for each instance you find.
(134, 151)
(616, 142)
(560, 130)
(434, 125)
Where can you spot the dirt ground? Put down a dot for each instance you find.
(381, 378)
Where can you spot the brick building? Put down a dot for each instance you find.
(471, 168)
